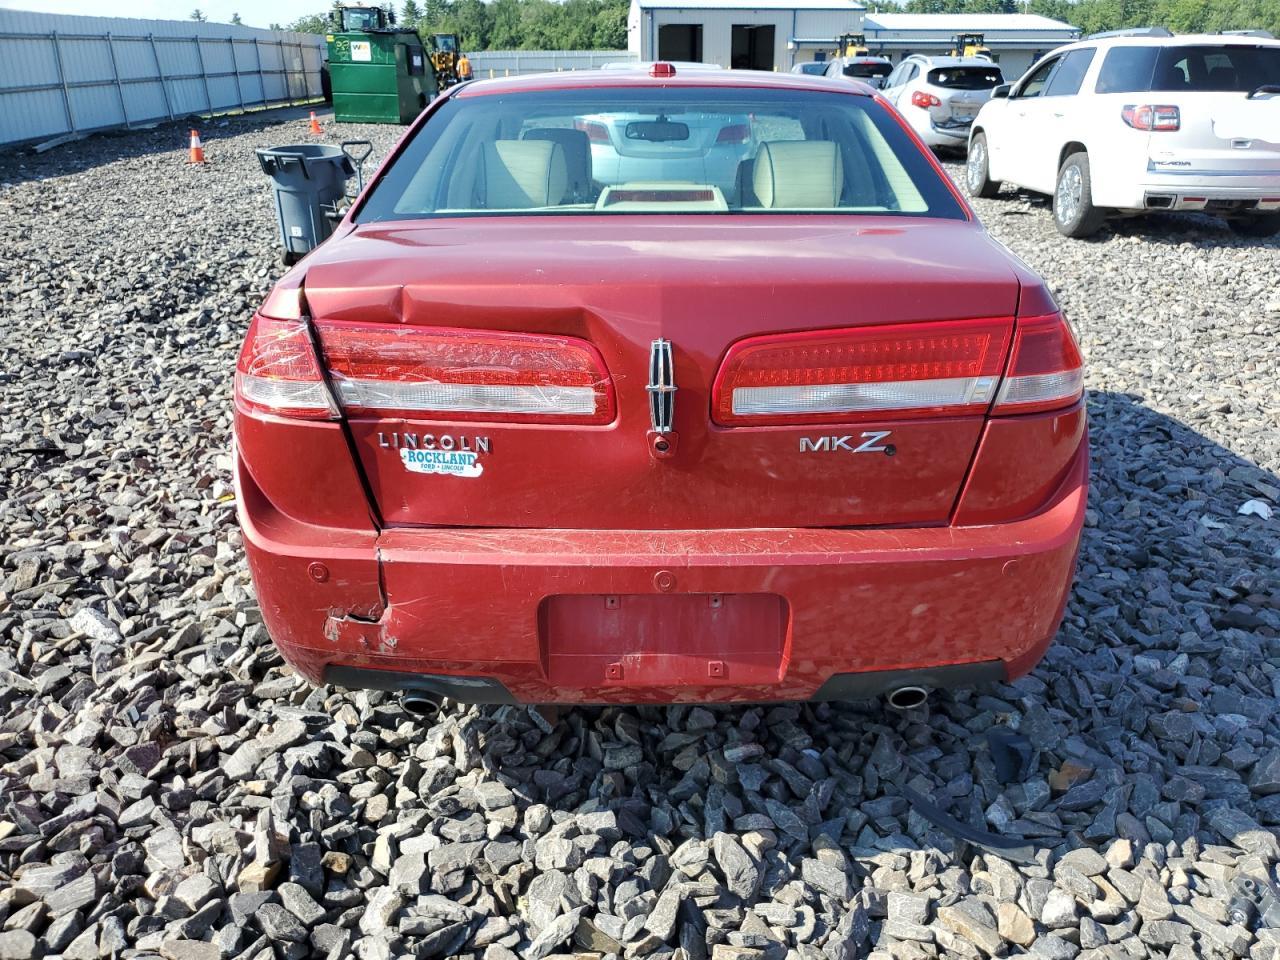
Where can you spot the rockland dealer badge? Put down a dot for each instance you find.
(453, 463)
(443, 454)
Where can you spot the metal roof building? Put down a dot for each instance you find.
(749, 34)
(1016, 40)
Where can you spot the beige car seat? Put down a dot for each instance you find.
(798, 174)
(517, 174)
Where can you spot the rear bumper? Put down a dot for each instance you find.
(578, 616)
(1157, 192)
(935, 134)
(840, 686)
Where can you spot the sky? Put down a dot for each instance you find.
(254, 13)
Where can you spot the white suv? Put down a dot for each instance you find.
(940, 96)
(1127, 124)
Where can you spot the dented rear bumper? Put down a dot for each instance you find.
(592, 616)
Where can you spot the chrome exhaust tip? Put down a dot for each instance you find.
(907, 698)
(420, 703)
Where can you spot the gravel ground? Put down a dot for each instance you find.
(168, 789)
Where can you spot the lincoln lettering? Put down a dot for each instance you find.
(430, 441)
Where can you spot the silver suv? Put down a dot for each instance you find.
(940, 96)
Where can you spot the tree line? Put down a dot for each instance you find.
(602, 24)
(1094, 16)
(509, 24)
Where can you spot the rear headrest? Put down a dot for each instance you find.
(798, 173)
(577, 155)
(1222, 78)
(524, 173)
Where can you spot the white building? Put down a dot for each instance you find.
(752, 34)
(1016, 40)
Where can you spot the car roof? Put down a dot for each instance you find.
(701, 77)
(1180, 40)
(949, 61)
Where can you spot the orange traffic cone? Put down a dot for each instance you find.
(197, 151)
(315, 125)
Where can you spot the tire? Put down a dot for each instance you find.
(1073, 211)
(1260, 225)
(977, 170)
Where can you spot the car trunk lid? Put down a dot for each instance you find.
(700, 286)
(1219, 135)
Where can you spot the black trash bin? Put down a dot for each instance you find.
(309, 181)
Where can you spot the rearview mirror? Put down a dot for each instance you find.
(657, 131)
(1000, 90)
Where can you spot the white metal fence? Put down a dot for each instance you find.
(510, 63)
(64, 74)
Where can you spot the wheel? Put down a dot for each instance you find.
(289, 258)
(1261, 225)
(1073, 209)
(977, 172)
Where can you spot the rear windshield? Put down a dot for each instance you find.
(596, 151)
(966, 78)
(868, 69)
(1228, 68)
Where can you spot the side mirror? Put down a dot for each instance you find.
(1001, 90)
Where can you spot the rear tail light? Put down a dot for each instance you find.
(596, 132)
(1046, 371)
(907, 370)
(734, 133)
(278, 372)
(465, 374)
(925, 100)
(1148, 117)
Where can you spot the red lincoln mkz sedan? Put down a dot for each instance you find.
(660, 385)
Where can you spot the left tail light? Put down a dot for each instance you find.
(278, 372)
(1146, 116)
(905, 370)
(389, 370)
(925, 100)
(734, 133)
(596, 132)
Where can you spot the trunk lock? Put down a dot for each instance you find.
(663, 445)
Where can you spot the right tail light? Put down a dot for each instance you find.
(734, 133)
(930, 369)
(1046, 371)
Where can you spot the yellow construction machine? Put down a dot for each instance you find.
(444, 57)
(852, 45)
(970, 45)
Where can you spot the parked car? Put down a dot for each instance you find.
(1129, 124)
(812, 67)
(940, 96)
(870, 70)
(501, 440)
(675, 145)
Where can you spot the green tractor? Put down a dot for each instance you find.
(378, 73)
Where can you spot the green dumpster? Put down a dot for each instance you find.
(379, 74)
